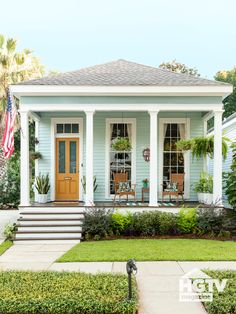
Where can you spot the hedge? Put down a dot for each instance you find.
(64, 293)
(223, 302)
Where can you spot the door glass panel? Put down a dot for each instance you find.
(73, 157)
(62, 157)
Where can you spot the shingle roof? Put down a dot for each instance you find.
(123, 73)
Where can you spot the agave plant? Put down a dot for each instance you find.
(83, 181)
(42, 184)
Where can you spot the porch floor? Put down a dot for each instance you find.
(123, 204)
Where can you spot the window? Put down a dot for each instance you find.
(119, 161)
(173, 160)
(71, 128)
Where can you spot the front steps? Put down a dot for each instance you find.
(44, 225)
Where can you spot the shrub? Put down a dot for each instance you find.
(230, 180)
(120, 223)
(9, 231)
(168, 223)
(10, 185)
(187, 220)
(97, 223)
(146, 223)
(65, 293)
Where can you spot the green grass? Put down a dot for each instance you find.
(224, 302)
(152, 250)
(5, 246)
(51, 292)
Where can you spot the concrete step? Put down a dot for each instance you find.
(56, 223)
(47, 235)
(52, 215)
(63, 210)
(46, 241)
(31, 228)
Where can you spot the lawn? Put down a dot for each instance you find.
(5, 246)
(152, 250)
(65, 293)
(223, 302)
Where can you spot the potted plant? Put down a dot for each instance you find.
(204, 188)
(35, 155)
(145, 183)
(95, 185)
(122, 144)
(42, 185)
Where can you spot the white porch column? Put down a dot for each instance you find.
(24, 160)
(153, 186)
(89, 158)
(217, 177)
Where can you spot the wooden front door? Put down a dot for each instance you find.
(67, 169)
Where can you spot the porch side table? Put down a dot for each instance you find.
(144, 190)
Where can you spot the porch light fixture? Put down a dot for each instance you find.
(146, 154)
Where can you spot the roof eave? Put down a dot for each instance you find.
(71, 90)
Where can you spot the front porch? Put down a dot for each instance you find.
(146, 129)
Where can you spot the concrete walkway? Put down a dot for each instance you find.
(158, 282)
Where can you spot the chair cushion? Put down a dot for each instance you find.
(124, 187)
(171, 187)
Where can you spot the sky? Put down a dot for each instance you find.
(70, 34)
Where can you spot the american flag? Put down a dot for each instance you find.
(8, 137)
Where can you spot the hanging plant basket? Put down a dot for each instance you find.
(35, 155)
(122, 144)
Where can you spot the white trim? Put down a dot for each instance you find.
(119, 107)
(36, 165)
(54, 121)
(109, 121)
(34, 116)
(34, 90)
(185, 121)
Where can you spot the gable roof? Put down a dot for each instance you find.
(123, 73)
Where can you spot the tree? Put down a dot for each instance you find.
(230, 180)
(15, 67)
(178, 67)
(230, 101)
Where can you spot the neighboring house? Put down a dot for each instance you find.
(79, 114)
(229, 131)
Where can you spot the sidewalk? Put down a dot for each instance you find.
(158, 282)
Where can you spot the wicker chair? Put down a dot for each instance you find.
(123, 178)
(177, 178)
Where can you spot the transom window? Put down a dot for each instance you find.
(173, 160)
(71, 128)
(119, 161)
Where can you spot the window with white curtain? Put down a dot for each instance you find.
(173, 160)
(119, 161)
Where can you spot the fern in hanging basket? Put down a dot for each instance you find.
(202, 146)
(122, 144)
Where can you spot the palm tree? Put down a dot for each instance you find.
(14, 67)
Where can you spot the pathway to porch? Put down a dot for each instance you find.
(158, 282)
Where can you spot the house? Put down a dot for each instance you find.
(79, 114)
(229, 131)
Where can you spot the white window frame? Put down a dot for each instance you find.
(185, 121)
(110, 121)
(54, 135)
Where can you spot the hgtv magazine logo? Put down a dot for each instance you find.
(196, 286)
